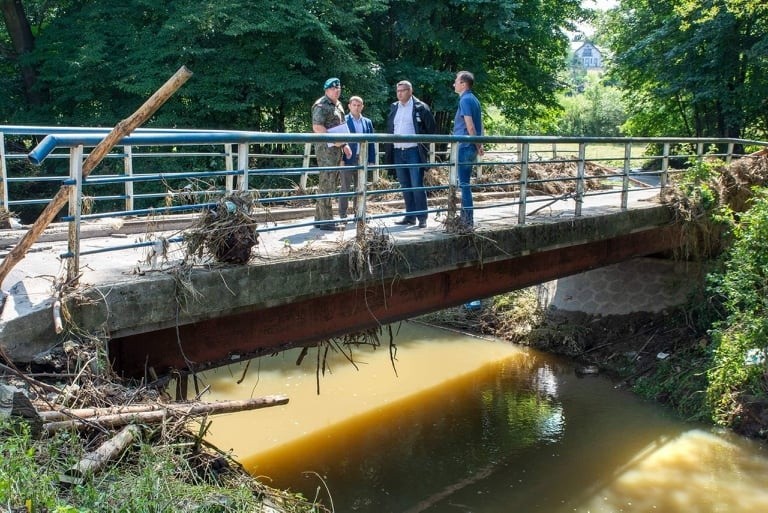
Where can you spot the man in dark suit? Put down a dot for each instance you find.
(409, 116)
(357, 124)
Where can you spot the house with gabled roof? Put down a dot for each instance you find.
(587, 54)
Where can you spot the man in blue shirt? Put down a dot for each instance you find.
(468, 121)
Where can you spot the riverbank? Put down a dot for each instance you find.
(76, 438)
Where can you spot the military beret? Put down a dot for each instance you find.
(332, 82)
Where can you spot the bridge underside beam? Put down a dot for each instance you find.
(224, 340)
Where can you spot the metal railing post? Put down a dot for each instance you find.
(625, 176)
(75, 210)
(525, 152)
(729, 155)
(305, 165)
(664, 170)
(229, 165)
(375, 174)
(699, 152)
(580, 179)
(453, 178)
(3, 175)
(360, 190)
(128, 166)
(242, 165)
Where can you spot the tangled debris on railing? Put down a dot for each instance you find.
(226, 232)
(369, 251)
(723, 187)
(735, 185)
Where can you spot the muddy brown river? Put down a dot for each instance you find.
(463, 424)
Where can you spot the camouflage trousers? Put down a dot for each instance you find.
(328, 180)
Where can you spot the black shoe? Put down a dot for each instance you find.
(422, 224)
(406, 222)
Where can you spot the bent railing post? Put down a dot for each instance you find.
(122, 129)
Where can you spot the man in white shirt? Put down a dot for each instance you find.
(410, 116)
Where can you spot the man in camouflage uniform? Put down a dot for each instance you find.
(328, 112)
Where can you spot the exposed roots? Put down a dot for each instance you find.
(729, 189)
(369, 252)
(345, 346)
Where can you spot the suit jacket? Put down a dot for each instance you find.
(423, 123)
(355, 147)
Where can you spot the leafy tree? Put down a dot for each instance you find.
(693, 68)
(255, 63)
(597, 112)
(515, 48)
(260, 64)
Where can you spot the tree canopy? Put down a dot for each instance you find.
(260, 64)
(692, 67)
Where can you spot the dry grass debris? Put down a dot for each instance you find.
(225, 233)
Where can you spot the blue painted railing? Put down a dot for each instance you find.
(229, 154)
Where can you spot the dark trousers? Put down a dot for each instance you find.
(467, 157)
(348, 183)
(410, 174)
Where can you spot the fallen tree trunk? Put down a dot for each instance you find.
(84, 413)
(122, 129)
(159, 415)
(96, 460)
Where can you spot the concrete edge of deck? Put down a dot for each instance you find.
(158, 301)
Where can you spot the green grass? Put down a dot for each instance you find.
(147, 478)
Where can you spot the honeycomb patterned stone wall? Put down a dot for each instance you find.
(639, 285)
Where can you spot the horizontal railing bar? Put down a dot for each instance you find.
(50, 142)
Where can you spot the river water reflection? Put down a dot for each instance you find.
(464, 424)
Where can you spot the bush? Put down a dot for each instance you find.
(741, 340)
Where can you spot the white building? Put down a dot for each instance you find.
(587, 54)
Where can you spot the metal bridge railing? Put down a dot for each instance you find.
(164, 172)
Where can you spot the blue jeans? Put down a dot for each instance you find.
(467, 157)
(411, 176)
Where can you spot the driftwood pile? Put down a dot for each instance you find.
(226, 232)
(554, 177)
(134, 421)
(735, 183)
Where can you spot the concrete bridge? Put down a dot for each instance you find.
(305, 285)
